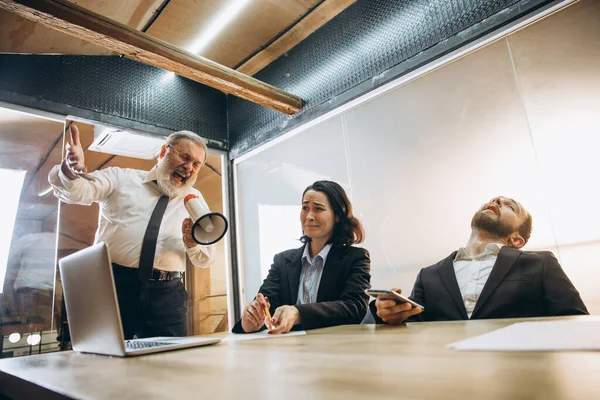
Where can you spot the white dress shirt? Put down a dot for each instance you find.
(127, 199)
(472, 272)
(310, 277)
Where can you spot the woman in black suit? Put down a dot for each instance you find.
(322, 283)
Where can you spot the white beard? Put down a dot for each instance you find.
(163, 180)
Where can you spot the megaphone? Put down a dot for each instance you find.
(209, 227)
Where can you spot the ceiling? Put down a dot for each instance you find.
(179, 22)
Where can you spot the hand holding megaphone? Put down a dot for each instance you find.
(209, 227)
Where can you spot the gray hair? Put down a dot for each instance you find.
(188, 135)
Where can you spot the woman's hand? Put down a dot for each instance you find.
(253, 317)
(284, 319)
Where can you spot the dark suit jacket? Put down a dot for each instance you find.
(341, 297)
(521, 284)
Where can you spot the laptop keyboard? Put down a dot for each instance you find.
(137, 344)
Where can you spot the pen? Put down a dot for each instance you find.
(268, 317)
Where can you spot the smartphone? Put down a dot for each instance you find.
(390, 294)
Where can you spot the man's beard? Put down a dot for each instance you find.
(492, 224)
(168, 187)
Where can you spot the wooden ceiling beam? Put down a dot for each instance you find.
(84, 24)
(297, 33)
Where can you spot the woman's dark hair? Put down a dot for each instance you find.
(348, 230)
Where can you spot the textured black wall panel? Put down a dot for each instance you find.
(372, 41)
(110, 86)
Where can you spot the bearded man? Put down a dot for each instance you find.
(144, 221)
(489, 277)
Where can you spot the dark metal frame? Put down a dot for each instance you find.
(114, 91)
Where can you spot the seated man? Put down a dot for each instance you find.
(490, 277)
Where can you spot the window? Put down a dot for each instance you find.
(12, 183)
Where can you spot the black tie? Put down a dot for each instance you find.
(150, 239)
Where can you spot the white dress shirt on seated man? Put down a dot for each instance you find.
(472, 272)
(127, 199)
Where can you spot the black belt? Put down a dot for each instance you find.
(157, 274)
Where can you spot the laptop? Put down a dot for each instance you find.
(93, 310)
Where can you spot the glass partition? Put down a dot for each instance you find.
(30, 145)
(207, 302)
(36, 230)
(518, 117)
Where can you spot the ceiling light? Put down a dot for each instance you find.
(12, 183)
(221, 21)
(167, 77)
(14, 337)
(34, 339)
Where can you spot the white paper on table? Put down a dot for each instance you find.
(234, 337)
(537, 336)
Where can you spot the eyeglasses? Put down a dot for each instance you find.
(186, 158)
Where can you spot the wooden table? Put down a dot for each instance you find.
(346, 362)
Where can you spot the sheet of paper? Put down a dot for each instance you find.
(562, 335)
(234, 337)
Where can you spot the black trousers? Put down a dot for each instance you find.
(152, 308)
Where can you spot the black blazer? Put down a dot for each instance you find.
(341, 297)
(521, 284)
